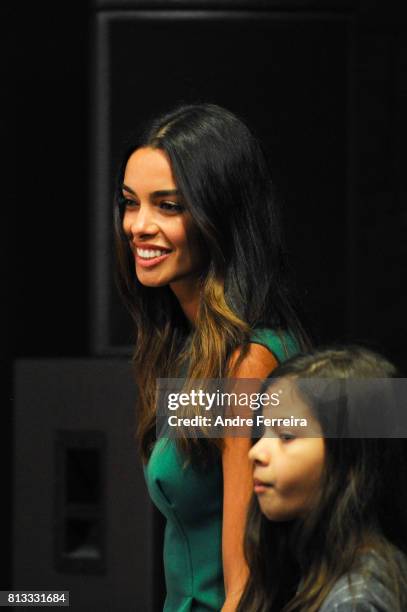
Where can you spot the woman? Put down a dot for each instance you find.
(202, 272)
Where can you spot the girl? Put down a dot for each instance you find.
(327, 524)
(202, 272)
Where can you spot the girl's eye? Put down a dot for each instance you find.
(171, 207)
(286, 436)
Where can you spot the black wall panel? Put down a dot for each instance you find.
(287, 75)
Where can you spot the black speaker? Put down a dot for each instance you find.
(83, 521)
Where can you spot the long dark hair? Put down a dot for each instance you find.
(362, 505)
(221, 172)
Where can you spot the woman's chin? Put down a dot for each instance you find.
(150, 278)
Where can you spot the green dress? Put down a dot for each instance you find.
(191, 500)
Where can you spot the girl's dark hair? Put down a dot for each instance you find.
(221, 172)
(361, 506)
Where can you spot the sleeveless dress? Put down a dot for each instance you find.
(191, 500)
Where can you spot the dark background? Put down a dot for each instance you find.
(324, 86)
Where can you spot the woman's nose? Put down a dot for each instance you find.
(142, 222)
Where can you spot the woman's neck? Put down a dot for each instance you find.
(188, 293)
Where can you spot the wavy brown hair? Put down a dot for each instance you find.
(361, 505)
(221, 172)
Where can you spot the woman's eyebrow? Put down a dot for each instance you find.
(129, 189)
(155, 194)
(165, 192)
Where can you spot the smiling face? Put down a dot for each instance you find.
(166, 245)
(287, 461)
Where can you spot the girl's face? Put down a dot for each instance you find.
(287, 461)
(166, 245)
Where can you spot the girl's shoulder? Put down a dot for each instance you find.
(366, 589)
(281, 343)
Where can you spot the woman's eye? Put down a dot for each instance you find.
(127, 203)
(171, 207)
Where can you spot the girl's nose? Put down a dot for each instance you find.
(258, 454)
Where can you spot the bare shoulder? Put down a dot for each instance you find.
(257, 363)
